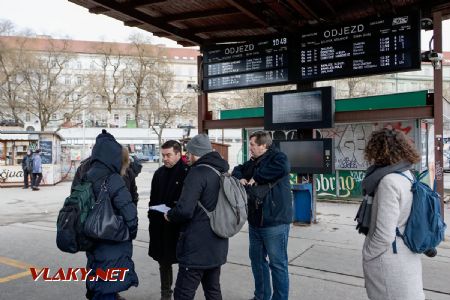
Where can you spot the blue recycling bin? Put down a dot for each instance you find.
(303, 203)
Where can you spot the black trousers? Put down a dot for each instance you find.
(189, 279)
(36, 179)
(26, 175)
(165, 273)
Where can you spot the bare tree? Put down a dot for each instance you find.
(11, 81)
(46, 93)
(110, 81)
(142, 66)
(163, 106)
(245, 98)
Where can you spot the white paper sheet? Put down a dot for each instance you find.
(161, 208)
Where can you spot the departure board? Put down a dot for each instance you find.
(372, 47)
(250, 64)
(377, 46)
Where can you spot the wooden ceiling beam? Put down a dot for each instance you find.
(223, 27)
(132, 23)
(303, 9)
(146, 19)
(140, 3)
(198, 14)
(98, 10)
(250, 11)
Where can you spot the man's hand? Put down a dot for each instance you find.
(166, 217)
(243, 181)
(251, 182)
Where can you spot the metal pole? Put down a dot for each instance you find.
(438, 109)
(84, 135)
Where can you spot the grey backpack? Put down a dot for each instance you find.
(230, 213)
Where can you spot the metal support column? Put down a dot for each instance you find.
(438, 108)
(202, 98)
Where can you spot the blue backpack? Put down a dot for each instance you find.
(425, 228)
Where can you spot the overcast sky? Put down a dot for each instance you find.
(61, 18)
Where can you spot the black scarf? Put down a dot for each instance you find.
(376, 172)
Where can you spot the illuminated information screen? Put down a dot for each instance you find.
(373, 47)
(248, 64)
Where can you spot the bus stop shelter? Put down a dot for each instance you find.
(206, 22)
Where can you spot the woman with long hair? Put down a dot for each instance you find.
(389, 275)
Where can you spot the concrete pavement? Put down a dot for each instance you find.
(325, 258)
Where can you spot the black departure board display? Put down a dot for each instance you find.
(249, 64)
(384, 45)
(372, 47)
(246, 80)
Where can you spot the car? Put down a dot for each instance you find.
(140, 156)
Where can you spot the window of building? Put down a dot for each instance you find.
(79, 117)
(116, 117)
(128, 118)
(79, 65)
(67, 80)
(27, 117)
(79, 80)
(92, 65)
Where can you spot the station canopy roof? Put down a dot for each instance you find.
(203, 22)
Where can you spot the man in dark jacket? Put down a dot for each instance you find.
(269, 226)
(106, 163)
(167, 183)
(200, 252)
(27, 168)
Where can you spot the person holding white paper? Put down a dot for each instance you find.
(167, 184)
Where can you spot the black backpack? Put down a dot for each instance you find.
(69, 235)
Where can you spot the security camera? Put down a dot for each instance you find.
(434, 57)
(426, 24)
(194, 87)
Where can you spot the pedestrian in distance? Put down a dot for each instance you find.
(200, 252)
(389, 275)
(269, 216)
(37, 170)
(27, 168)
(106, 163)
(166, 187)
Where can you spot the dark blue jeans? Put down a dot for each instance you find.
(270, 243)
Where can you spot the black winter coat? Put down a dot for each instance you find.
(271, 166)
(198, 246)
(106, 161)
(167, 184)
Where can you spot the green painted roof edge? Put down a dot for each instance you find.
(399, 100)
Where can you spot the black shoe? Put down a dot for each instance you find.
(118, 297)
(25, 187)
(36, 189)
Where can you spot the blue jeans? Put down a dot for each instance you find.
(270, 242)
(111, 296)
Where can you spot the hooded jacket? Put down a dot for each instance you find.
(106, 160)
(198, 246)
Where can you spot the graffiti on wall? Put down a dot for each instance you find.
(351, 139)
(349, 184)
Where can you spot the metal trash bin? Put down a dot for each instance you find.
(303, 203)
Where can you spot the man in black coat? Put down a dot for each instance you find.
(27, 167)
(269, 216)
(166, 188)
(200, 252)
